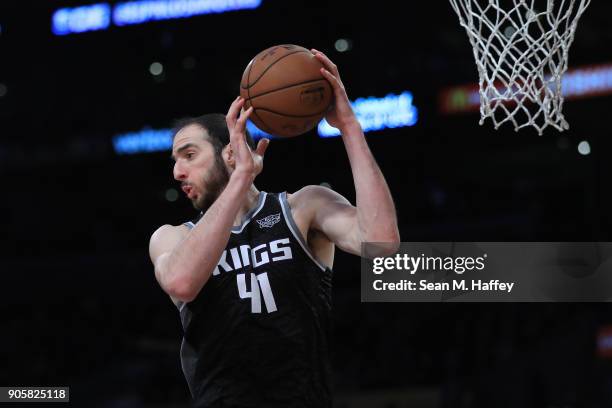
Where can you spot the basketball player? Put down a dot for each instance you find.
(252, 276)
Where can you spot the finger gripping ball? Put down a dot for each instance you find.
(286, 89)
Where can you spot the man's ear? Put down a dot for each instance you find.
(228, 156)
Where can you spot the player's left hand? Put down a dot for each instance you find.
(341, 114)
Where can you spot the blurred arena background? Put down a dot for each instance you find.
(86, 101)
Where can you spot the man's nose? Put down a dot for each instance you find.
(179, 172)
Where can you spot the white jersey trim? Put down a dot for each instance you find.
(252, 213)
(295, 230)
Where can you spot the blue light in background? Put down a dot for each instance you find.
(81, 19)
(138, 12)
(391, 111)
(144, 141)
(587, 81)
(98, 16)
(257, 133)
(158, 140)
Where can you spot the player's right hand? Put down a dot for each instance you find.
(246, 161)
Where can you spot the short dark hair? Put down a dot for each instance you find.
(215, 126)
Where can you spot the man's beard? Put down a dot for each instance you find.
(214, 186)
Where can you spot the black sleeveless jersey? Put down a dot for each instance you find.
(257, 334)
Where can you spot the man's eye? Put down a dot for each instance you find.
(189, 155)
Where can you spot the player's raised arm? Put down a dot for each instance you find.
(374, 218)
(185, 261)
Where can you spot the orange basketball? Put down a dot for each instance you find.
(288, 93)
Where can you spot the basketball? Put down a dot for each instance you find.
(286, 89)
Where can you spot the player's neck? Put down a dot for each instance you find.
(249, 202)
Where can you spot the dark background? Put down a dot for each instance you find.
(79, 302)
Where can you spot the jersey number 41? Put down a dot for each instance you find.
(260, 285)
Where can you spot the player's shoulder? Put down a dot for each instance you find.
(309, 192)
(312, 195)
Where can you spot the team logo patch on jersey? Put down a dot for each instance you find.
(269, 221)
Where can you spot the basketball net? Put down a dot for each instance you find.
(521, 49)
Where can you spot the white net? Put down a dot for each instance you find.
(521, 49)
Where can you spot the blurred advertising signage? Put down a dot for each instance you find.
(577, 83)
(604, 342)
(101, 16)
(158, 140)
(391, 111)
(144, 141)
